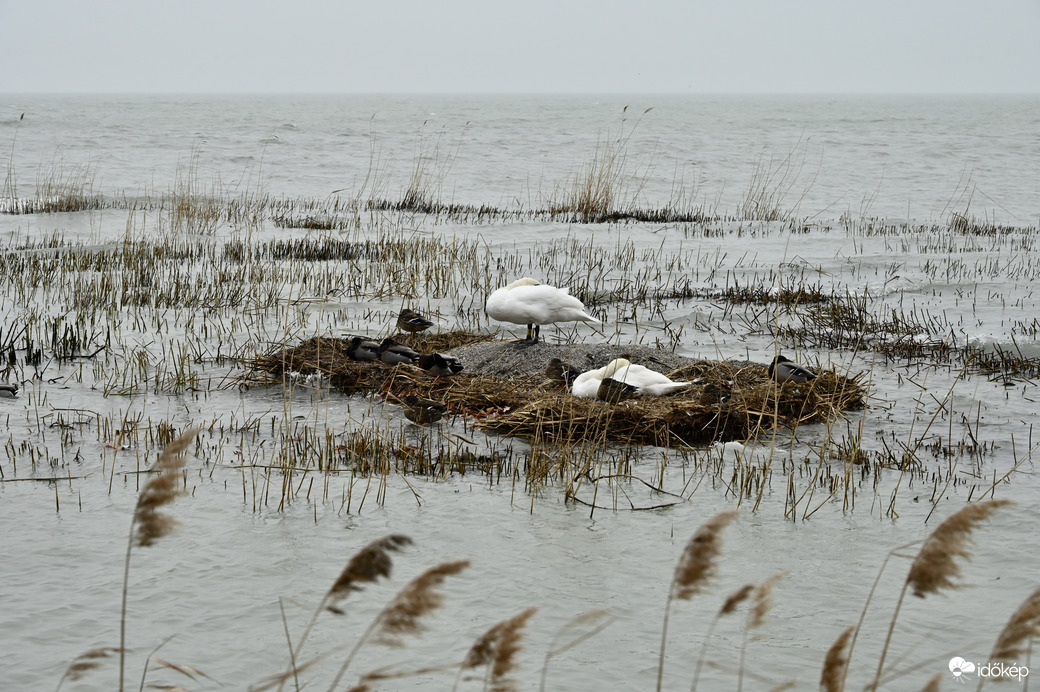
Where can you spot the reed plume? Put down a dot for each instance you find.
(368, 565)
(762, 603)
(496, 649)
(728, 606)
(1013, 643)
(149, 524)
(832, 678)
(402, 615)
(85, 663)
(695, 569)
(163, 488)
(935, 566)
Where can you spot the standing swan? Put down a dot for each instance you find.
(526, 301)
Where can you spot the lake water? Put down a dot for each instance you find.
(870, 190)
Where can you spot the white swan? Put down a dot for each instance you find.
(647, 382)
(526, 301)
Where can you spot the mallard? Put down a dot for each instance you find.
(526, 301)
(646, 381)
(392, 352)
(614, 391)
(8, 391)
(561, 372)
(360, 348)
(423, 411)
(411, 321)
(439, 364)
(786, 370)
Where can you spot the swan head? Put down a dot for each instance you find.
(526, 281)
(615, 365)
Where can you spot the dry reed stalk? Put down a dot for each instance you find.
(695, 569)
(832, 678)
(729, 606)
(1014, 640)
(496, 649)
(935, 566)
(584, 619)
(149, 524)
(402, 615)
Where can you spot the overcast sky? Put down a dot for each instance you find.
(533, 46)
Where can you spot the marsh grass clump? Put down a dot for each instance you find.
(595, 193)
(59, 189)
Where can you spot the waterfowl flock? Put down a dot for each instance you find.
(530, 303)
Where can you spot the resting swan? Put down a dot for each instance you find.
(526, 301)
(646, 381)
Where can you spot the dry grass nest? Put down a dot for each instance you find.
(729, 400)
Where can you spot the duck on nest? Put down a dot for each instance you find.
(411, 321)
(360, 348)
(615, 391)
(786, 370)
(560, 372)
(526, 301)
(423, 411)
(439, 364)
(646, 381)
(392, 352)
(8, 391)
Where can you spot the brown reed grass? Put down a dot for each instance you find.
(935, 567)
(496, 649)
(832, 678)
(404, 612)
(86, 662)
(369, 565)
(149, 524)
(695, 569)
(762, 603)
(729, 606)
(163, 488)
(1015, 640)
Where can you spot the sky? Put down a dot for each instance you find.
(520, 46)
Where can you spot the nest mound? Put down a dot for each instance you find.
(504, 389)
